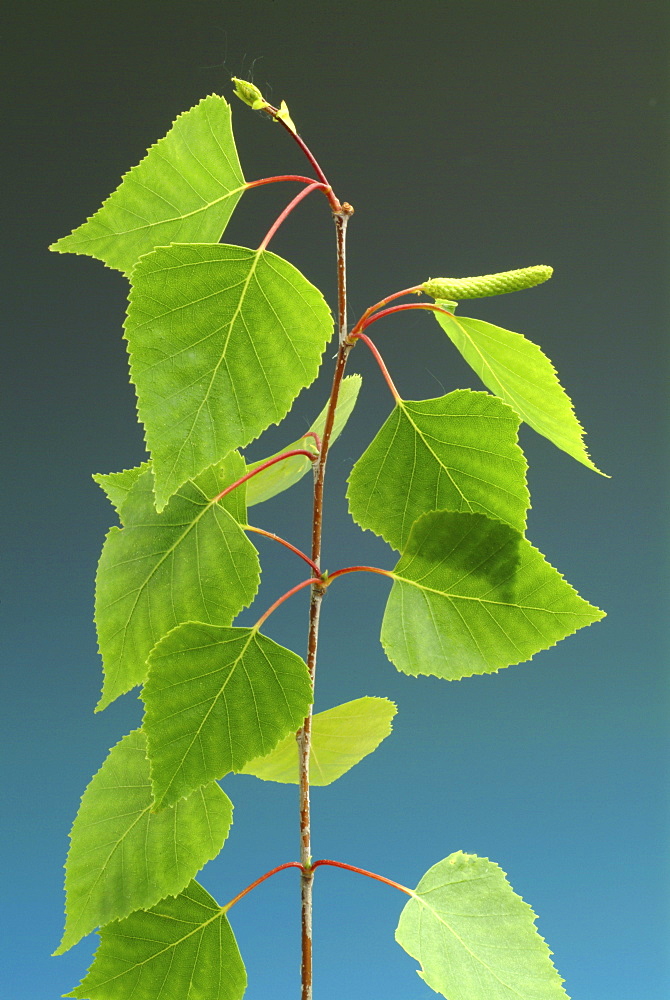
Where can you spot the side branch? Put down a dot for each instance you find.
(402, 308)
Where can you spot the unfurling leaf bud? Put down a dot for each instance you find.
(286, 118)
(249, 93)
(487, 284)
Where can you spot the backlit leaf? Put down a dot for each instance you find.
(215, 699)
(221, 340)
(193, 561)
(516, 369)
(180, 949)
(472, 595)
(284, 474)
(474, 937)
(123, 856)
(341, 737)
(117, 485)
(458, 452)
(185, 189)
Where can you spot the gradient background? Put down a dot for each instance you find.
(471, 137)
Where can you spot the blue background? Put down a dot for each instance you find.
(470, 137)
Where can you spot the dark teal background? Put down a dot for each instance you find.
(470, 137)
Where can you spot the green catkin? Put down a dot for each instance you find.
(487, 284)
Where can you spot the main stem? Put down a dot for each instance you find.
(341, 217)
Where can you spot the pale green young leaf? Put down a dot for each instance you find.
(458, 452)
(341, 737)
(474, 937)
(281, 476)
(182, 948)
(117, 485)
(125, 857)
(216, 698)
(221, 341)
(515, 369)
(185, 189)
(472, 595)
(193, 561)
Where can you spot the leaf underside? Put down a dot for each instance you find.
(221, 341)
(184, 190)
(341, 737)
(458, 452)
(472, 595)
(192, 562)
(474, 937)
(182, 948)
(215, 699)
(125, 857)
(515, 369)
(281, 476)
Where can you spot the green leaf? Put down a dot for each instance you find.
(123, 856)
(185, 189)
(117, 485)
(194, 561)
(472, 595)
(281, 476)
(517, 370)
(341, 737)
(458, 452)
(215, 699)
(221, 340)
(474, 938)
(180, 949)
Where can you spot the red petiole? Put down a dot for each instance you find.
(264, 465)
(311, 868)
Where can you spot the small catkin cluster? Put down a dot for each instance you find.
(487, 284)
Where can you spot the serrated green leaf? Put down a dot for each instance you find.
(458, 452)
(281, 476)
(184, 190)
(221, 341)
(516, 369)
(474, 937)
(181, 948)
(472, 595)
(117, 485)
(123, 856)
(341, 737)
(193, 561)
(216, 698)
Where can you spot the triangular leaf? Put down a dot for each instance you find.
(192, 562)
(180, 949)
(472, 595)
(458, 452)
(123, 856)
(185, 189)
(215, 699)
(341, 737)
(281, 476)
(221, 340)
(516, 369)
(117, 485)
(474, 937)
